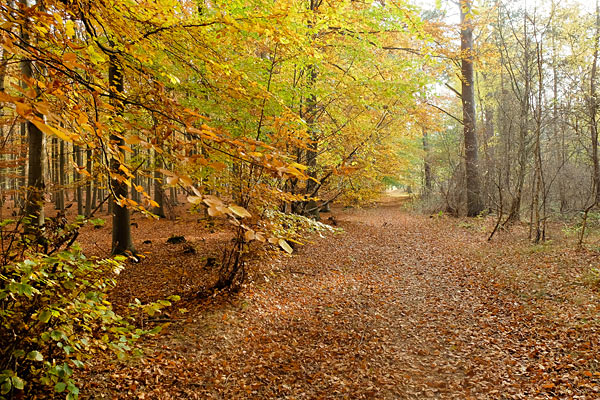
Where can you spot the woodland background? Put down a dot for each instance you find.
(251, 118)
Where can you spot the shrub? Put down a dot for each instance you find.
(54, 315)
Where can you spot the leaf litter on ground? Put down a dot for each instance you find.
(398, 306)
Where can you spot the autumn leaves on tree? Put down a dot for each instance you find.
(208, 99)
(226, 105)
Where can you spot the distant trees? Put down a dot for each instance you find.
(535, 82)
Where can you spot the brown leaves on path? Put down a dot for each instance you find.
(396, 307)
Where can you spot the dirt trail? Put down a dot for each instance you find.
(396, 307)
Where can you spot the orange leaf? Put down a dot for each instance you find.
(548, 385)
(172, 180)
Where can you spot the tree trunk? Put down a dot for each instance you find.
(426, 166)
(135, 195)
(77, 182)
(515, 209)
(89, 204)
(61, 175)
(95, 195)
(311, 207)
(593, 110)
(474, 204)
(174, 201)
(121, 230)
(34, 200)
(557, 140)
(488, 153)
(52, 176)
(538, 186)
(158, 189)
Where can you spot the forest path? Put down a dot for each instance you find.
(398, 306)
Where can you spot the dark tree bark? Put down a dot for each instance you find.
(121, 230)
(426, 166)
(95, 194)
(89, 204)
(78, 189)
(61, 176)
(308, 111)
(311, 207)
(174, 200)
(135, 195)
(558, 140)
(474, 203)
(35, 176)
(537, 222)
(34, 200)
(52, 165)
(159, 197)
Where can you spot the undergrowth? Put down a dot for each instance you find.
(54, 312)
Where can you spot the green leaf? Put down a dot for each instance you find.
(6, 386)
(60, 387)
(156, 329)
(56, 335)
(73, 389)
(35, 356)
(45, 316)
(18, 383)
(5, 222)
(97, 222)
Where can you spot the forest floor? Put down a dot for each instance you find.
(397, 306)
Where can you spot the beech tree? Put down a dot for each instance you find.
(33, 208)
(323, 108)
(474, 203)
(121, 231)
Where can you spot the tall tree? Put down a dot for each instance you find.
(593, 109)
(78, 159)
(121, 230)
(427, 184)
(34, 200)
(159, 193)
(474, 203)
